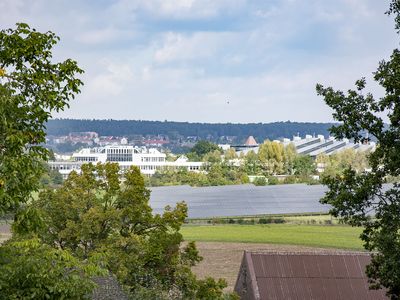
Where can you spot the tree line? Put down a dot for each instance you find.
(272, 159)
(260, 131)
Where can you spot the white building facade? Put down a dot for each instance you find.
(147, 160)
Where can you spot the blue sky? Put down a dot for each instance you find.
(212, 60)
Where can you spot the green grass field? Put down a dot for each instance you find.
(342, 237)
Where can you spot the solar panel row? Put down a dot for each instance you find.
(241, 200)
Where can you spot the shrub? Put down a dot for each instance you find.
(260, 181)
(273, 180)
(290, 179)
(279, 220)
(262, 221)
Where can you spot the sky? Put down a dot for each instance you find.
(237, 61)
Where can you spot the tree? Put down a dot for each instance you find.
(272, 157)
(303, 165)
(290, 156)
(96, 213)
(31, 88)
(30, 269)
(202, 148)
(354, 196)
(230, 154)
(251, 163)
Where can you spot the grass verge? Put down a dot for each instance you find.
(342, 237)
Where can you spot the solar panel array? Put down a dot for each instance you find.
(241, 200)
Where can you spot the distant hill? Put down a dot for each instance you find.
(260, 131)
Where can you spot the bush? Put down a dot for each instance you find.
(263, 221)
(260, 181)
(273, 180)
(279, 220)
(290, 179)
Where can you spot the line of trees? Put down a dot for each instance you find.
(260, 131)
(272, 158)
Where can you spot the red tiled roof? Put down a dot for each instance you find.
(313, 275)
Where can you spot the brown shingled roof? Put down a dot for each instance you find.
(312, 275)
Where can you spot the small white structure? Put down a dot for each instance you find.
(224, 146)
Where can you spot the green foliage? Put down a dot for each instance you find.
(51, 177)
(31, 87)
(354, 195)
(291, 179)
(68, 147)
(260, 181)
(303, 165)
(203, 147)
(212, 157)
(32, 270)
(96, 213)
(251, 164)
(174, 130)
(337, 163)
(210, 288)
(272, 180)
(218, 174)
(230, 154)
(272, 158)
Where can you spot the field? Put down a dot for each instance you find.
(222, 246)
(342, 237)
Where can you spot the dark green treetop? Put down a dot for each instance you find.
(201, 148)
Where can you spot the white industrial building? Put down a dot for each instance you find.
(147, 160)
(315, 145)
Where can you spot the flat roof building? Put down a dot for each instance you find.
(147, 160)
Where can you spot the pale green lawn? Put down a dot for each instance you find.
(343, 237)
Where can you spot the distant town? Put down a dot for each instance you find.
(287, 160)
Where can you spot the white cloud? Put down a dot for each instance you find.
(114, 79)
(181, 60)
(181, 9)
(176, 46)
(106, 35)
